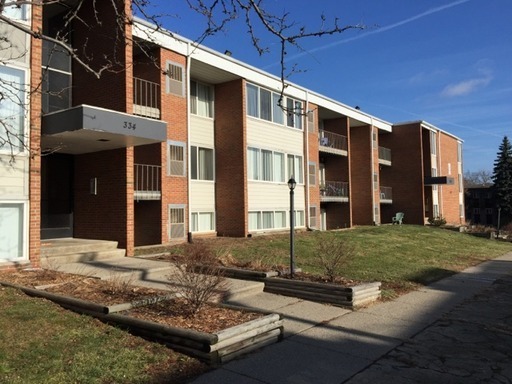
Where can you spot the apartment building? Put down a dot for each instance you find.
(176, 140)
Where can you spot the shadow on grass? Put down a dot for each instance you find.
(430, 275)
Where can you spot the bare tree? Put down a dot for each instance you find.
(481, 178)
(14, 95)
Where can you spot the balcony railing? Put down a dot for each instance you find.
(334, 189)
(385, 155)
(146, 98)
(148, 184)
(330, 140)
(386, 194)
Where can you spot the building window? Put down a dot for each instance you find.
(201, 99)
(176, 221)
(201, 163)
(12, 109)
(11, 231)
(459, 152)
(265, 105)
(434, 174)
(295, 168)
(299, 218)
(265, 165)
(176, 164)
(312, 173)
(16, 12)
(433, 143)
(175, 83)
(260, 220)
(202, 222)
(436, 211)
(312, 217)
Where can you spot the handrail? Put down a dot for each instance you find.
(334, 189)
(332, 140)
(147, 178)
(384, 154)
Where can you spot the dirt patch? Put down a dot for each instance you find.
(105, 292)
(209, 318)
(38, 277)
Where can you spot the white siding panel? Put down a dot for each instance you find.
(13, 178)
(268, 196)
(202, 196)
(15, 49)
(201, 131)
(261, 134)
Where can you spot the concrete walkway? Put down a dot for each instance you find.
(457, 330)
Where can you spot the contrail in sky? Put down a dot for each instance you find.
(380, 30)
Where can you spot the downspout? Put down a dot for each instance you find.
(306, 134)
(373, 171)
(188, 140)
(440, 189)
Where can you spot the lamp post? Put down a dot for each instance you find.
(499, 219)
(291, 184)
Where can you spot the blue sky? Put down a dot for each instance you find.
(448, 62)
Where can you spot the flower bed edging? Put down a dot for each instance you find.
(212, 348)
(327, 293)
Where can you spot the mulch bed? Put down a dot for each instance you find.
(209, 318)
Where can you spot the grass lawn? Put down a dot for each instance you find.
(400, 256)
(43, 343)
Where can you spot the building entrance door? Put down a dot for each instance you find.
(57, 196)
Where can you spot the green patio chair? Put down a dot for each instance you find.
(397, 219)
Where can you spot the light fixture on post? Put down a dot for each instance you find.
(292, 184)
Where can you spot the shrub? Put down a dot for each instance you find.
(334, 255)
(437, 221)
(197, 278)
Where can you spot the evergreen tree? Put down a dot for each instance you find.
(502, 178)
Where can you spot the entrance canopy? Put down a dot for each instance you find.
(86, 129)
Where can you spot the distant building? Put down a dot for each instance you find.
(481, 206)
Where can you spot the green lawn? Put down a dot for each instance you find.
(43, 343)
(400, 256)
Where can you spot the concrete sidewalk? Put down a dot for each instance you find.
(401, 341)
(407, 340)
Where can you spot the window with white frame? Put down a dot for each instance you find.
(434, 174)
(459, 152)
(16, 12)
(436, 211)
(176, 162)
(12, 108)
(375, 181)
(201, 99)
(267, 105)
(202, 222)
(176, 221)
(299, 218)
(295, 168)
(201, 163)
(265, 165)
(311, 121)
(433, 143)
(260, 220)
(175, 79)
(11, 231)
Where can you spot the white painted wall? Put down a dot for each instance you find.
(201, 131)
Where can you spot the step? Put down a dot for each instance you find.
(66, 246)
(58, 259)
(238, 289)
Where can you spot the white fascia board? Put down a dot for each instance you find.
(252, 74)
(352, 113)
(431, 127)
